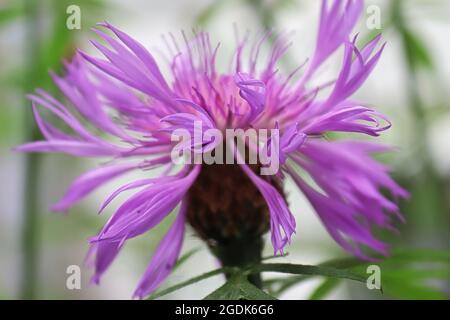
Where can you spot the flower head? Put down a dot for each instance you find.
(127, 97)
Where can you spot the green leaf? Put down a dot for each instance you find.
(406, 274)
(409, 273)
(324, 289)
(286, 283)
(326, 269)
(228, 291)
(397, 288)
(418, 275)
(308, 270)
(186, 283)
(185, 257)
(238, 288)
(8, 14)
(424, 255)
(411, 269)
(417, 51)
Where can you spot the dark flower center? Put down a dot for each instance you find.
(225, 205)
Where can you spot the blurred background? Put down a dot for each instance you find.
(410, 85)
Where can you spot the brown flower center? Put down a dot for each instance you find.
(225, 205)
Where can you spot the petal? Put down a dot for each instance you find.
(146, 208)
(105, 253)
(341, 222)
(60, 111)
(134, 185)
(78, 87)
(75, 148)
(253, 91)
(90, 181)
(282, 222)
(164, 258)
(349, 201)
(133, 65)
(354, 118)
(354, 71)
(336, 23)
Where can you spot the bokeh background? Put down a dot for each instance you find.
(410, 85)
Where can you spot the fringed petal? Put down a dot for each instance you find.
(164, 258)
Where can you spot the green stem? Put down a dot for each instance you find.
(420, 133)
(413, 83)
(241, 253)
(30, 228)
(31, 185)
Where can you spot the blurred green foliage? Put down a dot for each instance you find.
(45, 45)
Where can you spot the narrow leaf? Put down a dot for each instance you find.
(309, 270)
(324, 289)
(186, 283)
(237, 288)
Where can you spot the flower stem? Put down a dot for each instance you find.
(241, 252)
(31, 186)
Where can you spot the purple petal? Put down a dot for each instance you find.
(164, 258)
(90, 181)
(351, 181)
(75, 148)
(146, 208)
(341, 222)
(105, 253)
(336, 23)
(354, 72)
(81, 91)
(282, 222)
(253, 91)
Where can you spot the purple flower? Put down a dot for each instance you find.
(127, 98)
